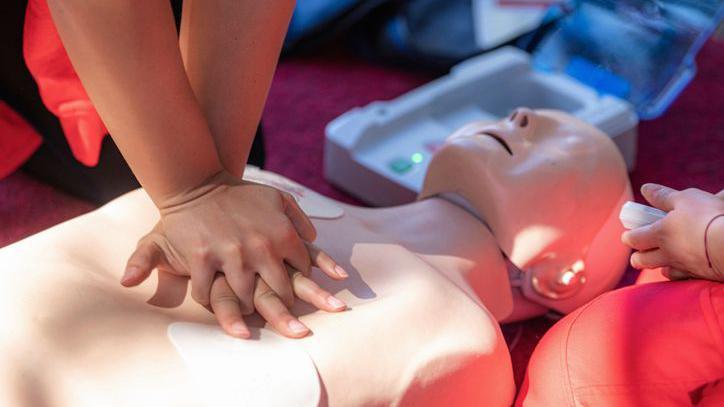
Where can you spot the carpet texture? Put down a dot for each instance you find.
(684, 148)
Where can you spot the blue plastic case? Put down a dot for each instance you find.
(639, 50)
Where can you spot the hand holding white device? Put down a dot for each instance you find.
(634, 215)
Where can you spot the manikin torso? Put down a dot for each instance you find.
(73, 336)
(428, 283)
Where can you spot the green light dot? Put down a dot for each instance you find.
(417, 158)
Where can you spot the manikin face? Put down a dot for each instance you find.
(544, 182)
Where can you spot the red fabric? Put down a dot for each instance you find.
(59, 86)
(651, 276)
(657, 344)
(18, 141)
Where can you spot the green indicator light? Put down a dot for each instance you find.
(417, 158)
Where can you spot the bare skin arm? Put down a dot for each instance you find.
(214, 228)
(716, 246)
(230, 59)
(230, 49)
(149, 108)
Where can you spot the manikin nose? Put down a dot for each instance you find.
(522, 117)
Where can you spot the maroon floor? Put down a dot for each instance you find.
(684, 148)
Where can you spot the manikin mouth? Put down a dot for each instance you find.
(499, 140)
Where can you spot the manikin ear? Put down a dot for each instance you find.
(554, 278)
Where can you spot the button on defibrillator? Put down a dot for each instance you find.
(401, 165)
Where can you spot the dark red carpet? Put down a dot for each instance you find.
(684, 148)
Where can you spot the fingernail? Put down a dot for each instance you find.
(649, 186)
(297, 327)
(335, 302)
(129, 274)
(239, 329)
(340, 271)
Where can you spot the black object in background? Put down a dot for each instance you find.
(53, 162)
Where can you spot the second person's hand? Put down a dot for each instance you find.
(676, 242)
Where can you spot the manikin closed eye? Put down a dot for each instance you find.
(499, 139)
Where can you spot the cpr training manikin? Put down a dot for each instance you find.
(516, 218)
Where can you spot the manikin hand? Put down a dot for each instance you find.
(676, 242)
(232, 227)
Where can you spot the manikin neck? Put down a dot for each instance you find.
(461, 202)
(523, 308)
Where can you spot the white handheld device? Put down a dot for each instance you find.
(634, 215)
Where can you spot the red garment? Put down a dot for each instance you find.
(60, 89)
(18, 140)
(655, 344)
